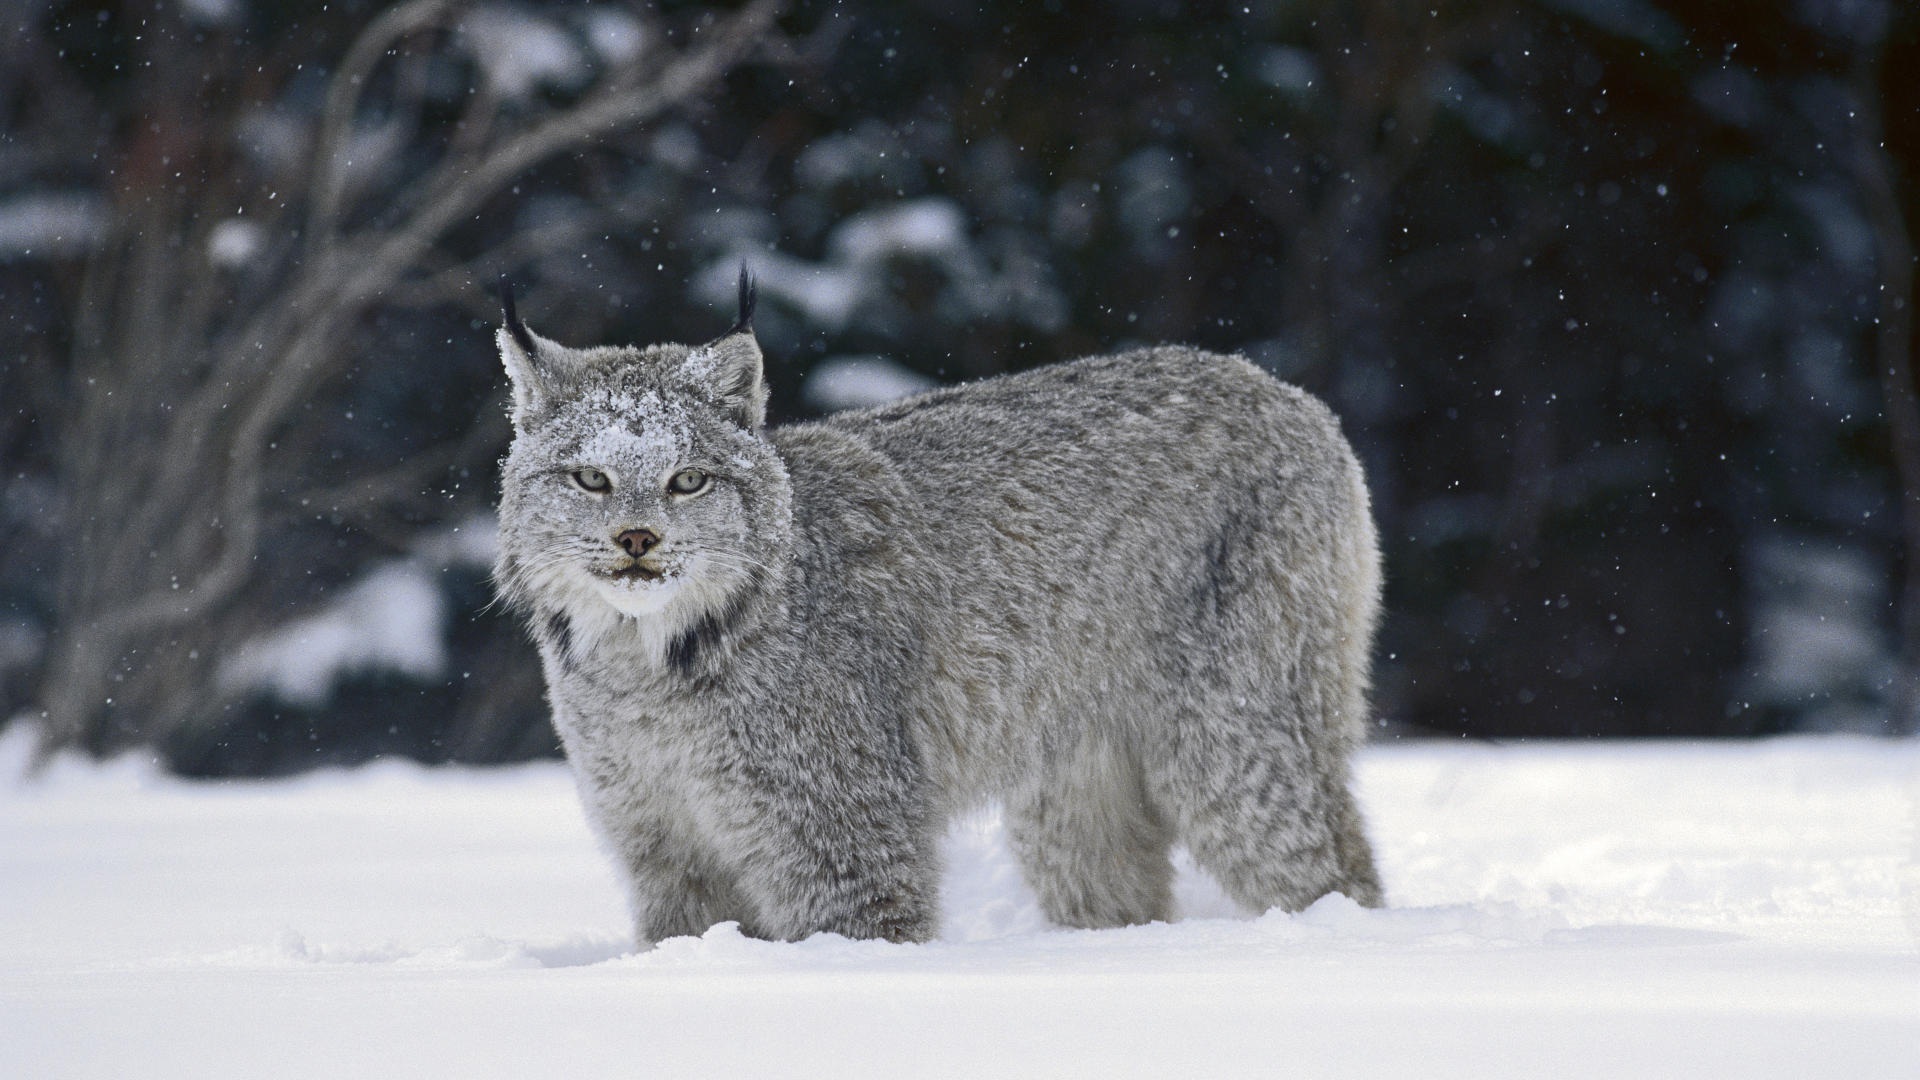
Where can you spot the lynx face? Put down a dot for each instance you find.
(637, 482)
(642, 499)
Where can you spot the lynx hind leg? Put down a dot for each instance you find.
(1265, 817)
(1257, 769)
(1359, 879)
(1092, 846)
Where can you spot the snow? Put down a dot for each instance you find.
(844, 156)
(932, 227)
(1152, 194)
(990, 277)
(616, 36)
(471, 543)
(858, 382)
(1287, 67)
(213, 12)
(392, 619)
(663, 433)
(1815, 637)
(55, 224)
(1565, 910)
(234, 243)
(519, 53)
(860, 250)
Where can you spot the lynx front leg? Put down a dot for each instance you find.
(672, 900)
(822, 892)
(845, 858)
(674, 887)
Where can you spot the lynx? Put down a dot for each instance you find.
(1131, 598)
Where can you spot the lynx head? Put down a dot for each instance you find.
(638, 482)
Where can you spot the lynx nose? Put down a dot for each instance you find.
(637, 542)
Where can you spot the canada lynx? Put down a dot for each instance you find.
(1132, 598)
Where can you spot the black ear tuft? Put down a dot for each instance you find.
(515, 327)
(749, 293)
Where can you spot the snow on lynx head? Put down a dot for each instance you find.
(638, 483)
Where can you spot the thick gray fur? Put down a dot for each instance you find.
(1131, 597)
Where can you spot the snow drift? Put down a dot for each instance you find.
(1559, 910)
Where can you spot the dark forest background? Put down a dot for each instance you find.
(1614, 297)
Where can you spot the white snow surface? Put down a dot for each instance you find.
(1591, 910)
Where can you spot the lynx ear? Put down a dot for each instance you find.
(529, 358)
(730, 373)
(731, 370)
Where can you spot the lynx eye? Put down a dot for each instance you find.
(688, 482)
(592, 481)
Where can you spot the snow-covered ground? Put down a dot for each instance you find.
(1559, 911)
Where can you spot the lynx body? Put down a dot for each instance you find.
(1131, 598)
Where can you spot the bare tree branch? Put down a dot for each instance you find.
(203, 434)
(343, 102)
